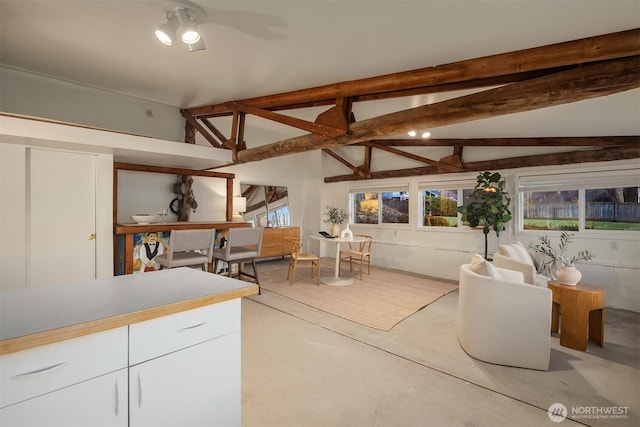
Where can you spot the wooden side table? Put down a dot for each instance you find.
(582, 314)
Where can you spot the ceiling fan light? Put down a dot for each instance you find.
(188, 27)
(164, 37)
(190, 37)
(166, 32)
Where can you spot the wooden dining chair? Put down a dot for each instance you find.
(309, 259)
(188, 248)
(358, 252)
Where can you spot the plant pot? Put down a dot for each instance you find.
(335, 230)
(568, 275)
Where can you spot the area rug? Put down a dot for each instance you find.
(379, 301)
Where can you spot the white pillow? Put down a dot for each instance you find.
(481, 266)
(493, 271)
(517, 252)
(523, 253)
(509, 251)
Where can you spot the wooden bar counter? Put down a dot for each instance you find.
(124, 238)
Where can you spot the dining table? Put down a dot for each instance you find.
(336, 280)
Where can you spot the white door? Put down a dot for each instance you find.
(61, 217)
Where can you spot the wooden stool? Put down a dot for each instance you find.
(582, 314)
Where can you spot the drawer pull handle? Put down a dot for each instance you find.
(139, 391)
(37, 372)
(188, 328)
(117, 399)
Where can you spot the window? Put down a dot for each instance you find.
(439, 208)
(580, 201)
(365, 208)
(395, 207)
(279, 216)
(384, 207)
(550, 210)
(612, 209)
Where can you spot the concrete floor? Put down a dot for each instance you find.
(304, 367)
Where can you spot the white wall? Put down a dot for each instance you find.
(40, 96)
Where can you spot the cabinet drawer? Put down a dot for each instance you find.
(156, 337)
(34, 372)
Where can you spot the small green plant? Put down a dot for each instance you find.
(488, 205)
(559, 255)
(335, 215)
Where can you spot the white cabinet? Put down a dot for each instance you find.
(100, 401)
(182, 369)
(49, 385)
(185, 368)
(197, 386)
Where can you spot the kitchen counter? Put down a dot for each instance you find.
(38, 316)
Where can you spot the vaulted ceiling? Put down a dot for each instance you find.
(284, 77)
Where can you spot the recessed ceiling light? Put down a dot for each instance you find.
(426, 134)
(412, 133)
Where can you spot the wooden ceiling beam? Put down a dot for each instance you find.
(356, 170)
(193, 122)
(586, 82)
(592, 49)
(216, 132)
(445, 166)
(551, 159)
(318, 129)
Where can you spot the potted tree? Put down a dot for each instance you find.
(566, 273)
(488, 206)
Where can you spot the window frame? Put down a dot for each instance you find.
(577, 181)
(458, 185)
(402, 187)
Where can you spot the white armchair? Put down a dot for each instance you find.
(516, 257)
(501, 319)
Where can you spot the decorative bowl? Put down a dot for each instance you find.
(143, 218)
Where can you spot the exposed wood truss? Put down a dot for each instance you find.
(527, 79)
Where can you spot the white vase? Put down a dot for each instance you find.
(346, 233)
(568, 275)
(335, 230)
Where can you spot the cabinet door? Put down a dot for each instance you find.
(100, 401)
(196, 386)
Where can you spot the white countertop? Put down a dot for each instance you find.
(117, 300)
